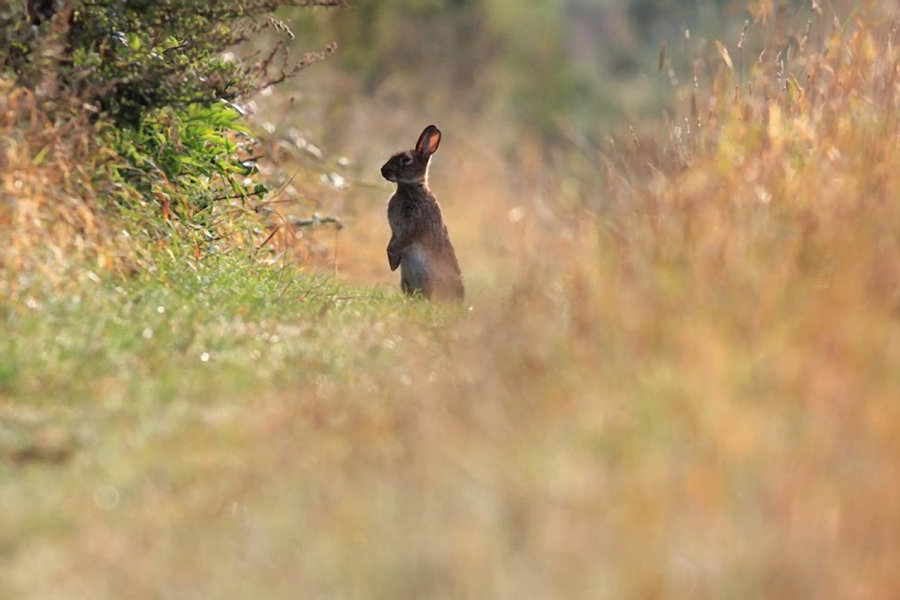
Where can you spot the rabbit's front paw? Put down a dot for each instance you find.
(393, 257)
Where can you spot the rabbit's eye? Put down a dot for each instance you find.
(406, 159)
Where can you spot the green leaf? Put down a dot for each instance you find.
(41, 156)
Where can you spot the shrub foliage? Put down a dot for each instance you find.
(129, 58)
(150, 88)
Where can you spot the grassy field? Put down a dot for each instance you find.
(675, 374)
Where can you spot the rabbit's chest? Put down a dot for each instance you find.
(396, 214)
(405, 215)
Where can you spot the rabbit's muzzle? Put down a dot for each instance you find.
(388, 173)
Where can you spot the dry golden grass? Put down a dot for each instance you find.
(47, 203)
(678, 381)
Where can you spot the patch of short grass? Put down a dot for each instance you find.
(98, 374)
(221, 322)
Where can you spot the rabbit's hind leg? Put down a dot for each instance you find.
(414, 274)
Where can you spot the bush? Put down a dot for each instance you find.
(126, 59)
(150, 89)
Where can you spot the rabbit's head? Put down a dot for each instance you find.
(412, 166)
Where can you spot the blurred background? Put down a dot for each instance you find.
(527, 96)
(543, 68)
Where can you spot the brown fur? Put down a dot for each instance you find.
(420, 244)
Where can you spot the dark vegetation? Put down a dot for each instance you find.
(136, 104)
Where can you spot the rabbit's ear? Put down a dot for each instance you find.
(429, 141)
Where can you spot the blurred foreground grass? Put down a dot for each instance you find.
(115, 394)
(236, 431)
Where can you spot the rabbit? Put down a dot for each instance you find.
(420, 244)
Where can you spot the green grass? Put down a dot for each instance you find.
(111, 390)
(229, 319)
